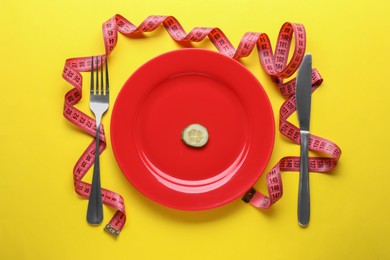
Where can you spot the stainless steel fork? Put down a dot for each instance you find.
(99, 101)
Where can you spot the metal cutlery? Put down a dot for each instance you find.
(303, 102)
(99, 101)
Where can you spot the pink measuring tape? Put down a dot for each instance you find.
(275, 63)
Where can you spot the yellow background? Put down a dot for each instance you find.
(41, 217)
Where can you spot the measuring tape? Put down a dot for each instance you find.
(275, 63)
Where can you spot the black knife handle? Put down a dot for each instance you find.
(304, 188)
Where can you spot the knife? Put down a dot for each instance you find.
(303, 102)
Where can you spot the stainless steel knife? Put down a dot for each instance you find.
(303, 102)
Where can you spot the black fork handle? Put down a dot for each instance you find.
(95, 204)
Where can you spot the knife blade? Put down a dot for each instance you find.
(303, 103)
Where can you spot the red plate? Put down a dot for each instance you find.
(180, 88)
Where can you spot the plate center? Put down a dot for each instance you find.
(178, 101)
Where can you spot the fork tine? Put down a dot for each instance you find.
(97, 77)
(92, 83)
(107, 84)
(101, 76)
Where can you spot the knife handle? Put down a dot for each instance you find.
(304, 189)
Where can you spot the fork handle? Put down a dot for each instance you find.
(95, 204)
(304, 188)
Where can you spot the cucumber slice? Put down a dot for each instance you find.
(195, 135)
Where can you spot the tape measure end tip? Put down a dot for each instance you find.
(111, 230)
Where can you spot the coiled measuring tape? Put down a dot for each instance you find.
(275, 63)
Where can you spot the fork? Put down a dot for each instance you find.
(98, 103)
